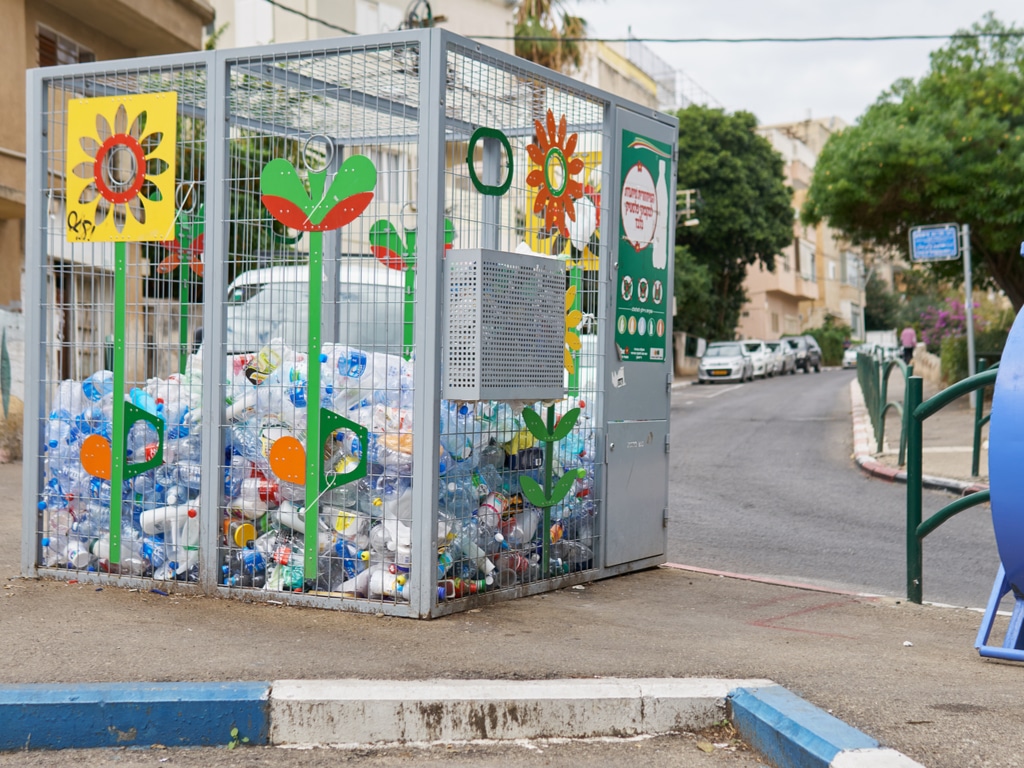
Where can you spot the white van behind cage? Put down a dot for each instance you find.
(273, 302)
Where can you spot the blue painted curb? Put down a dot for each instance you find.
(791, 732)
(60, 716)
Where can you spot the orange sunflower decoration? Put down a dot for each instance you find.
(553, 153)
(120, 167)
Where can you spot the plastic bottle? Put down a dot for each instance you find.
(238, 469)
(133, 561)
(97, 385)
(458, 497)
(467, 540)
(190, 475)
(179, 525)
(58, 428)
(69, 397)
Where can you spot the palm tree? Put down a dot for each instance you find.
(548, 34)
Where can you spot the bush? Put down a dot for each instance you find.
(10, 436)
(988, 344)
(831, 337)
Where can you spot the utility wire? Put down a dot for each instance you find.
(832, 39)
(307, 17)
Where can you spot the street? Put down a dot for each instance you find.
(762, 483)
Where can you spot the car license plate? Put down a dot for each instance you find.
(720, 373)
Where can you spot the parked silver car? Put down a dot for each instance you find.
(725, 361)
(785, 356)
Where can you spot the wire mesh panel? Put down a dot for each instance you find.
(119, 271)
(523, 175)
(322, 254)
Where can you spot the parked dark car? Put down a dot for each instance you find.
(808, 353)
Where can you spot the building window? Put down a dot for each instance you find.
(852, 269)
(805, 260)
(831, 270)
(56, 49)
(775, 322)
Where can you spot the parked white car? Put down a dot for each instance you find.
(785, 357)
(762, 359)
(725, 361)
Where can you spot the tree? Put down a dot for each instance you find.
(745, 213)
(881, 306)
(548, 34)
(948, 148)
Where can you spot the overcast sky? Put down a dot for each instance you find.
(783, 82)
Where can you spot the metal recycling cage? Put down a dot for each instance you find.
(263, 233)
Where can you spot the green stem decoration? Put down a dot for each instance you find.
(183, 318)
(317, 211)
(575, 281)
(118, 432)
(409, 298)
(550, 495)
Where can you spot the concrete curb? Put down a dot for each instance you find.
(789, 731)
(784, 728)
(88, 715)
(863, 455)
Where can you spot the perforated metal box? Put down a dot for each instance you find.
(504, 326)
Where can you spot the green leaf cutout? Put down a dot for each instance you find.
(566, 423)
(535, 424)
(562, 488)
(279, 179)
(384, 235)
(533, 492)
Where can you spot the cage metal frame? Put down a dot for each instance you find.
(434, 46)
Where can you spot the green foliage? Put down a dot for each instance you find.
(831, 337)
(881, 306)
(546, 33)
(949, 147)
(236, 739)
(988, 343)
(745, 214)
(692, 294)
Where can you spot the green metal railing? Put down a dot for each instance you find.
(873, 377)
(980, 418)
(917, 410)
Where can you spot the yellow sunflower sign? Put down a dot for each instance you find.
(120, 168)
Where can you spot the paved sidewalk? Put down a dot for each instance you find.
(948, 442)
(903, 676)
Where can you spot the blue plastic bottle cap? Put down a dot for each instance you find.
(41, 505)
(323, 357)
(46, 541)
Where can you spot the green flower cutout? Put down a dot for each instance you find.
(285, 196)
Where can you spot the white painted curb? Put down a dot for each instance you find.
(373, 711)
(873, 758)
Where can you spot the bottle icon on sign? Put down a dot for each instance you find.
(659, 253)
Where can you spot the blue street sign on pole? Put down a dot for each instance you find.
(935, 242)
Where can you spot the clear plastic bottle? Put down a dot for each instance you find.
(97, 385)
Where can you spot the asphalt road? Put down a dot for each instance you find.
(762, 483)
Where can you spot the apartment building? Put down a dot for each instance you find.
(820, 275)
(44, 33)
(258, 22)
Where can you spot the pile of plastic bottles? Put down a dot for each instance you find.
(488, 537)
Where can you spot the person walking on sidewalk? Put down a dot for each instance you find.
(909, 340)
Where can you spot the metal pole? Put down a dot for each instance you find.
(969, 304)
(979, 414)
(914, 489)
